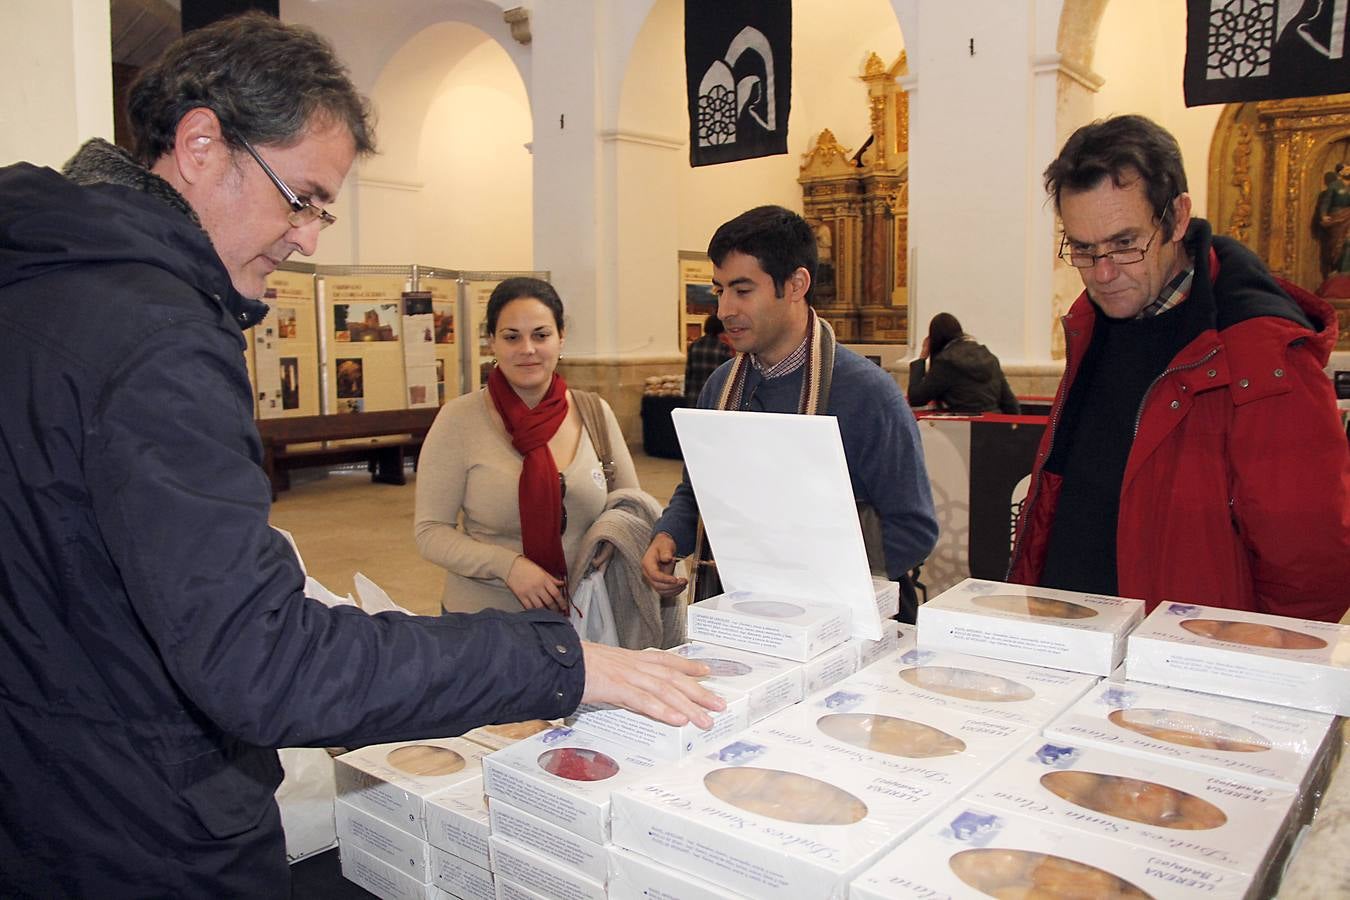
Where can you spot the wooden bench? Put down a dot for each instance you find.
(386, 438)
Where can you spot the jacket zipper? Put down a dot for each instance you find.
(1139, 413)
(1049, 448)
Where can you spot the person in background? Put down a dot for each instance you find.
(155, 640)
(508, 480)
(705, 354)
(787, 361)
(962, 376)
(1194, 452)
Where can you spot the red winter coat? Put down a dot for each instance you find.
(1236, 492)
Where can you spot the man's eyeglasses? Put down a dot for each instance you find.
(1082, 259)
(303, 211)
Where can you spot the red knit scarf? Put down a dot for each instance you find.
(540, 494)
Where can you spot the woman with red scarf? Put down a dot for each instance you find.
(508, 481)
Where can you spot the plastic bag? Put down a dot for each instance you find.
(592, 615)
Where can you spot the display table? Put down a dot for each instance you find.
(658, 431)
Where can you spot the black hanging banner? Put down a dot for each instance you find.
(1240, 50)
(738, 71)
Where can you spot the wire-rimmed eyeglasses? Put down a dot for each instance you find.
(1081, 258)
(302, 211)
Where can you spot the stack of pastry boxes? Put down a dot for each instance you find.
(1136, 789)
(549, 797)
(411, 820)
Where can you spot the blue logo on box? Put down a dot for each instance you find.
(1059, 757)
(974, 828)
(738, 753)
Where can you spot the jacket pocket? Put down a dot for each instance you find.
(234, 796)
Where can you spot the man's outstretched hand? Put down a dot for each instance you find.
(654, 683)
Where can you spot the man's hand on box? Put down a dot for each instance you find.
(654, 683)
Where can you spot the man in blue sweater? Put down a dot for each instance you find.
(787, 361)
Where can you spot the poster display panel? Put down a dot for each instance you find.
(696, 300)
(289, 339)
(365, 358)
(445, 313)
(479, 290)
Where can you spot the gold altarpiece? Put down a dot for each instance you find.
(860, 214)
(1266, 168)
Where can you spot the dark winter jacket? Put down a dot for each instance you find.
(1236, 492)
(154, 637)
(964, 377)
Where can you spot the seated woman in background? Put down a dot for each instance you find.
(964, 376)
(508, 480)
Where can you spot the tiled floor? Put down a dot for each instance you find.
(344, 524)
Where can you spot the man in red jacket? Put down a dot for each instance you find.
(1194, 451)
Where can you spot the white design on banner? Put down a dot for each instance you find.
(721, 99)
(1243, 33)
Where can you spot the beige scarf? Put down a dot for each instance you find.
(815, 397)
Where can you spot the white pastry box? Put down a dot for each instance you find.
(633, 876)
(1033, 625)
(768, 820)
(657, 739)
(457, 822)
(1213, 819)
(381, 879)
(973, 852)
(393, 781)
(769, 682)
(495, 737)
(522, 866)
(1253, 741)
(565, 777)
(549, 840)
(387, 843)
(866, 721)
(788, 627)
(888, 597)
(829, 668)
(869, 651)
(509, 890)
(1273, 659)
(458, 877)
(992, 688)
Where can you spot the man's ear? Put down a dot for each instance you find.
(798, 283)
(198, 145)
(1181, 212)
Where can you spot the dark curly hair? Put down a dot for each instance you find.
(778, 238)
(266, 82)
(1121, 148)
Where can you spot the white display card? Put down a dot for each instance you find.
(522, 866)
(1217, 820)
(1254, 741)
(1034, 625)
(1272, 659)
(773, 624)
(565, 777)
(546, 839)
(866, 721)
(768, 820)
(992, 688)
(973, 852)
(457, 821)
(787, 525)
(392, 781)
(657, 739)
(768, 682)
(633, 876)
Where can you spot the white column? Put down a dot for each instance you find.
(55, 78)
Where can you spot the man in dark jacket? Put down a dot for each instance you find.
(155, 642)
(1194, 451)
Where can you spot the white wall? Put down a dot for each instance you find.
(1141, 50)
(55, 78)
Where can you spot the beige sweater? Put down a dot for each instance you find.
(467, 518)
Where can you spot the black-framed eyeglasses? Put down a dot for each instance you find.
(562, 488)
(1082, 259)
(303, 212)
